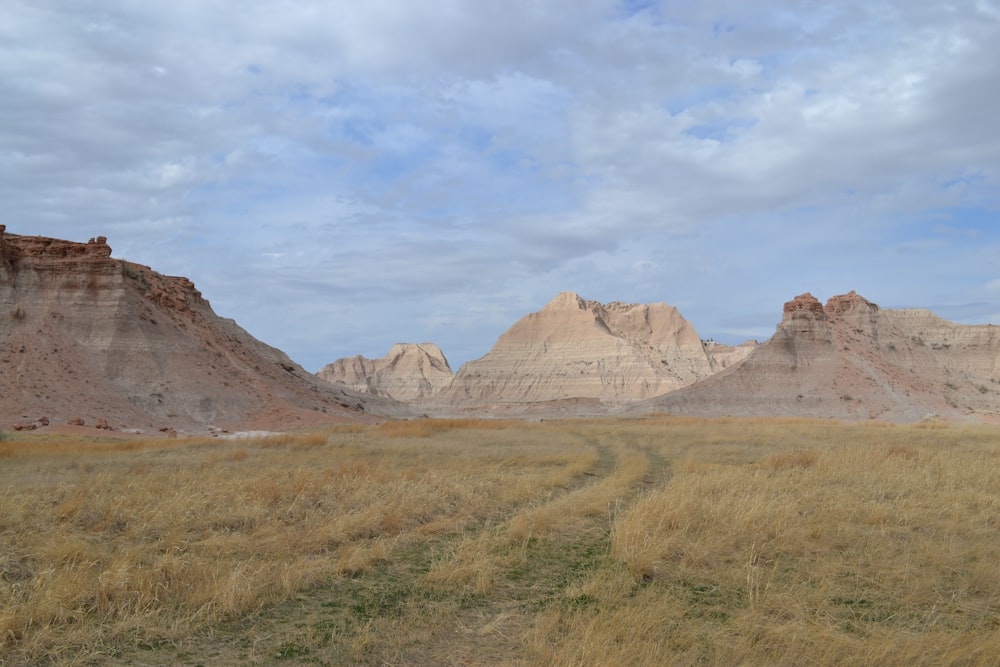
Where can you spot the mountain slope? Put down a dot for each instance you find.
(578, 349)
(854, 360)
(85, 336)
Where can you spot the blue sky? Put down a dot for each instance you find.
(340, 176)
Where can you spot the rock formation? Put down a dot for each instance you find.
(87, 337)
(851, 359)
(579, 349)
(410, 372)
(723, 356)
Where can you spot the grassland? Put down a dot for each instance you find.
(642, 542)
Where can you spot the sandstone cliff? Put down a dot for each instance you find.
(87, 337)
(578, 349)
(851, 359)
(410, 372)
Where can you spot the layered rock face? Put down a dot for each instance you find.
(574, 348)
(851, 359)
(410, 372)
(87, 337)
(723, 356)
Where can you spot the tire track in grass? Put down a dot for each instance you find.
(538, 554)
(552, 565)
(348, 620)
(535, 561)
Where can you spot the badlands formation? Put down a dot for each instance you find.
(408, 373)
(87, 338)
(852, 360)
(608, 354)
(849, 359)
(574, 356)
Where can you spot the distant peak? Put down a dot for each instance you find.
(566, 300)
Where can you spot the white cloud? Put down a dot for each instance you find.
(373, 157)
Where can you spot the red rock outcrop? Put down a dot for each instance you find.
(409, 372)
(805, 305)
(85, 336)
(854, 360)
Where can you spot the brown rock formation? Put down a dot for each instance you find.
(854, 360)
(85, 336)
(574, 348)
(410, 372)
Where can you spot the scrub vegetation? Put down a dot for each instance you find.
(660, 540)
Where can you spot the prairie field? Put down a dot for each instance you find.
(651, 541)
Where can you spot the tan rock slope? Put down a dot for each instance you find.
(577, 349)
(854, 360)
(87, 337)
(410, 372)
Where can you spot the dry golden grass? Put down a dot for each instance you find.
(111, 544)
(645, 542)
(876, 545)
(425, 428)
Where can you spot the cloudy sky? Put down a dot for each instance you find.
(339, 176)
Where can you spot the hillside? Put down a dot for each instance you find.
(851, 359)
(85, 337)
(594, 354)
(409, 372)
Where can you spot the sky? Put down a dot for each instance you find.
(339, 176)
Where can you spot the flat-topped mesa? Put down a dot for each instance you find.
(18, 247)
(86, 272)
(35, 268)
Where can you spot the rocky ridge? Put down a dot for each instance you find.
(92, 339)
(89, 339)
(851, 359)
(409, 372)
(585, 351)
